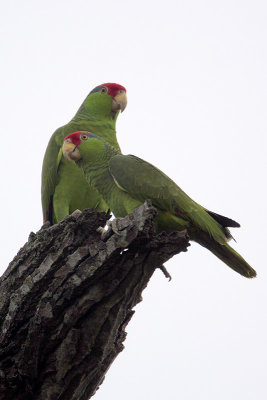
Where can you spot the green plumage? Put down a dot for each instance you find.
(64, 187)
(125, 182)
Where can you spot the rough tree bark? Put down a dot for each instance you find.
(67, 297)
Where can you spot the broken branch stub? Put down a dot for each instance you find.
(67, 297)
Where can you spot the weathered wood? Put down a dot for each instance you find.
(67, 297)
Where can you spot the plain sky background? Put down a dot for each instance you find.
(195, 72)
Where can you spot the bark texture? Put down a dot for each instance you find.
(67, 297)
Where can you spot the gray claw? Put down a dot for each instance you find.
(115, 226)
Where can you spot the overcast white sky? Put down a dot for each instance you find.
(195, 72)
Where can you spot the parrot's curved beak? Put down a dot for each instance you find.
(71, 151)
(119, 102)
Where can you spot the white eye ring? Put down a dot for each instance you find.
(104, 90)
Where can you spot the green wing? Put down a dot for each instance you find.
(49, 171)
(51, 162)
(144, 181)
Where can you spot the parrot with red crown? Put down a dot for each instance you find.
(64, 187)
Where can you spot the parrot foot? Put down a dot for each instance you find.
(102, 231)
(106, 233)
(165, 272)
(114, 226)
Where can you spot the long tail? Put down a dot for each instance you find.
(226, 253)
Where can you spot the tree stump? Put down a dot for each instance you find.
(67, 297)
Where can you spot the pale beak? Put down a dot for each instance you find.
(119, 102)
(71, 151)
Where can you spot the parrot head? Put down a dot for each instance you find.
(83, 145)
(116, 92)
(105, 100)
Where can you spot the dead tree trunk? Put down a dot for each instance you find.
(67, 297)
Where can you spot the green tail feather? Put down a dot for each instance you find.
(227, 254)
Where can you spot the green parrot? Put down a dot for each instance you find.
(126, 181)
(64, 187)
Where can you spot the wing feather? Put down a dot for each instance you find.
(49, 174)
(144, 181)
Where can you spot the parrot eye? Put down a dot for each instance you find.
(83, 137)
(121, 91)
(104, 89)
